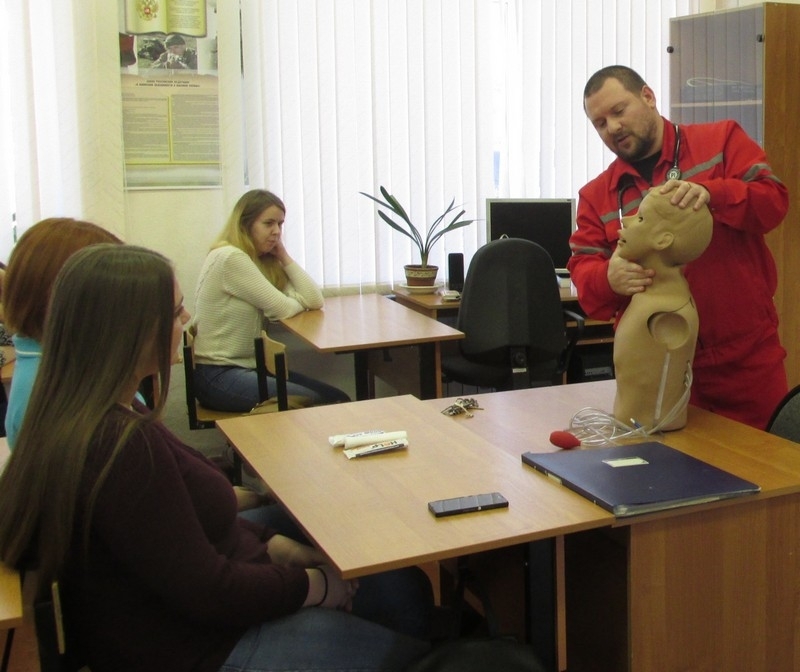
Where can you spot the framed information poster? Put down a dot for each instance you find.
(170, 93)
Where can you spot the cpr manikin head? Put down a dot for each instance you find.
(656, 336)
(664, 232)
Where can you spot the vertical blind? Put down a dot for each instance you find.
(435, 100)
(323, 99)
(60, 114)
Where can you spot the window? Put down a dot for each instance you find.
(464, 99)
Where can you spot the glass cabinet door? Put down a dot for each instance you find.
(716, 69)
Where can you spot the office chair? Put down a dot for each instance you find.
(785, 420)
(514, 324)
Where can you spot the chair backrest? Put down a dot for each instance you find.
(56, 651)
(785, 419)
(271, 358)
(511, 298)
(199, 417)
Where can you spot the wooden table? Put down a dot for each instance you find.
(365, 323)
(375, 515)
(10, 598)
(433, 304)
(10, 586)
(710, 587)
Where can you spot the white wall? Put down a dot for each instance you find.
(181, 224)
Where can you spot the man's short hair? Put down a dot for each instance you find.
(174, 40)
(630, 79)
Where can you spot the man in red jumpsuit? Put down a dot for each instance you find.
(738, 366)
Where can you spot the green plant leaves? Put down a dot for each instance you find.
(407, 228)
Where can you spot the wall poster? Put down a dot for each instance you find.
(170, 93)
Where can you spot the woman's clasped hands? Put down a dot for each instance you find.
(325, 587)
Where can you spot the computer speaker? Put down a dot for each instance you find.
(455, 271)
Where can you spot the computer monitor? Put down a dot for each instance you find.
(546, 221)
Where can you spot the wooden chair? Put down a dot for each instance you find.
(270, 359)
(52, 641)
(199, 416)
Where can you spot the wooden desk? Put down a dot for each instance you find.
(370, 514)
(710, 587)
(10, 598)
(10, 585)
(433, 304)
(370, 322)
(701, 588)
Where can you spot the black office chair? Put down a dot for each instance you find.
(515, 327)
(785, 420)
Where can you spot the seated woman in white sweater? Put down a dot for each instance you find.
(247, 276)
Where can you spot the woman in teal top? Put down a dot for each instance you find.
(28, 352)
(35, 261)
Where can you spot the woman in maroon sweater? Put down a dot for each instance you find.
(156, 570)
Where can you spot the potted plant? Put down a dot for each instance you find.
(420, 274)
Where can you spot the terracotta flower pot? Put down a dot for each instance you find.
(420, 276)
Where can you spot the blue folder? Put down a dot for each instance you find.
(639, 478)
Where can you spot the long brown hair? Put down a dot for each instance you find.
(34, 264)
(237, 232)
(111, 309)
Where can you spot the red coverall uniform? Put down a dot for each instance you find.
(738, 366)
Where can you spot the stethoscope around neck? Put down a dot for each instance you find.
(673, 173)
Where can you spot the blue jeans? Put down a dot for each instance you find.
(234, 389)
(386, 631)
(323, 640)
(400, 599)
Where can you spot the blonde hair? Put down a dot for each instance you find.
(112, 306)
(237, 232)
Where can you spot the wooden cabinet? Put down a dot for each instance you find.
(744, 64)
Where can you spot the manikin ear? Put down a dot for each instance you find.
(664, 240)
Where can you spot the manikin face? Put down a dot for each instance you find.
(265, 231)
(641, 233)
(628, 123)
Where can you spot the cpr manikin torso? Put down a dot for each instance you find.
(655, 338)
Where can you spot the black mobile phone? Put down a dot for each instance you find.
(456, 505)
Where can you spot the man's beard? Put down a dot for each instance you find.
(643, 145)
